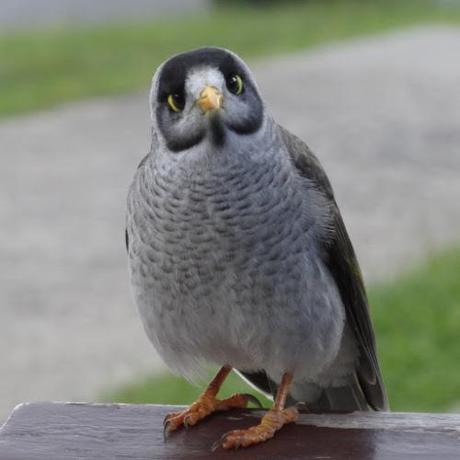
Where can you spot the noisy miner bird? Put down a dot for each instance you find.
(238, 254)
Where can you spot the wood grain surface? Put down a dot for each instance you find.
(64, 431)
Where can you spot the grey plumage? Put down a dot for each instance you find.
(237, 251)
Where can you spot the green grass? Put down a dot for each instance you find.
(417, 321)
(418, 325)
(42, 68)
(169, 389)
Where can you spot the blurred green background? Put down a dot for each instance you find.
(42, 68)
(416, 315)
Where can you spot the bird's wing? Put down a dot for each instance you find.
(140, 165)
(339, 257)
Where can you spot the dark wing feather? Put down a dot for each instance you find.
(126, 240)
(341, 261)
(260, 380)
(126, 230)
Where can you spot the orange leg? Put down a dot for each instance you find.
(271, 422)
(206, 404)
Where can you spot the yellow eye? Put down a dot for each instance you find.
(235, 84)
(176, 102)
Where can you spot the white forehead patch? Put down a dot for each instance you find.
(200, 77)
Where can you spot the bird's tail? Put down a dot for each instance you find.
(347, 398)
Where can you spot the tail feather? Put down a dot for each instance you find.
(348, 398)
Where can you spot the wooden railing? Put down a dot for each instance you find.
(52, 431)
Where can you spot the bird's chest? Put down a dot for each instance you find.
(225, 253)
(221, 236)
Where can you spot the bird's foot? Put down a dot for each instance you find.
(205, 405)
(271, 422)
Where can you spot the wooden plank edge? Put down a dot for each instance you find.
(17, 408)
(405, 421)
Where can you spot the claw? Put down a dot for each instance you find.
(185, 423)
(166, 431)
(168, 417)
(218, 443)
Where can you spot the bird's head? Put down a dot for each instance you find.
(204, 95)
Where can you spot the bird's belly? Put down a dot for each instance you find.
(252, 312)
(226, 272)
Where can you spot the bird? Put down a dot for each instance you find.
(238, 255)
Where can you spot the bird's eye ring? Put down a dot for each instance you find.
(235, 84)
(176, 102)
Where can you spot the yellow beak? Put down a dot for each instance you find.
(210, 99)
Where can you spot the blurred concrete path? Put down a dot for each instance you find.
(383, 115)
(26, 13)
